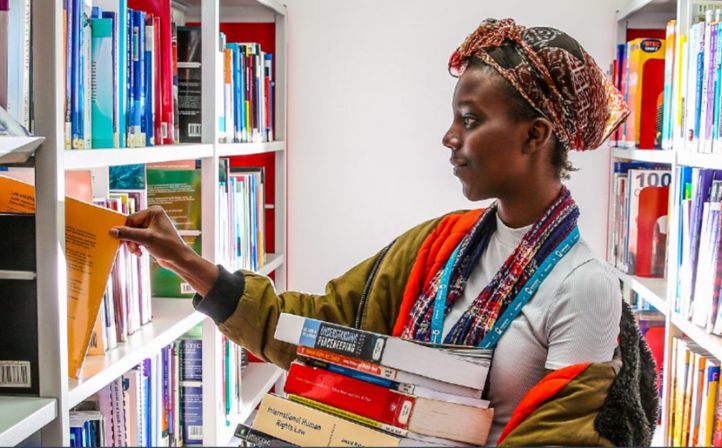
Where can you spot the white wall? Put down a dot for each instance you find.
(369, 100)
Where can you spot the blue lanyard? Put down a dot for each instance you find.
(437, 319)
(513, 310)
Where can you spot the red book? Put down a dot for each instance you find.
(158, 103)
(652, 231)
(421, 415)
(161, 10)
(372, 401)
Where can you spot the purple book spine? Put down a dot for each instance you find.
(712, 69)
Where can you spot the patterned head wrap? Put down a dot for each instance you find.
(554, 74)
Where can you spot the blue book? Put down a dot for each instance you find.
(149, 79)
(132, 48)
(698, 91)
(118, 10)
(139, 79)
(149, 422)
(69, 63)
(192, 391)
(234, 126)
(113, 17)
(242, 89)
(101, 82)
(76, 74)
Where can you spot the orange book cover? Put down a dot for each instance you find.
(89, 255)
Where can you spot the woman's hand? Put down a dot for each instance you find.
(153, 229)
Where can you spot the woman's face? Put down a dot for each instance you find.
(486, 143)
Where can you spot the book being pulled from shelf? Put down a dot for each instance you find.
(343, 392)
(90, 251)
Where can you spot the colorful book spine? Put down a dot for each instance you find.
(101, 90)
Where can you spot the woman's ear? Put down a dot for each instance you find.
(539, 135)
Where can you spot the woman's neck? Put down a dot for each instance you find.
(525, 208)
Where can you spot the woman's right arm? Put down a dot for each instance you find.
(244, 305)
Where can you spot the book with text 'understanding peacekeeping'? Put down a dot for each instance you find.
(89, 254)
(384, 350)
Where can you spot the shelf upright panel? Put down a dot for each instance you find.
(48, 88)
(281, 93)
(213, 408)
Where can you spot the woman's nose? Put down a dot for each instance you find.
(450, 140)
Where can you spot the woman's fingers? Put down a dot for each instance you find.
(142, 236)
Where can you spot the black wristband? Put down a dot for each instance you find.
(222, 299)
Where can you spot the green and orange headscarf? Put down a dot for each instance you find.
(554, 74)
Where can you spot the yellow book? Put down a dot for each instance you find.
(709, 399)
(679, 396)
(89, 255)
(305, 426)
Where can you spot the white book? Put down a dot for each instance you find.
(385, 350)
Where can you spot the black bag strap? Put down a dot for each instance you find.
(367, 286)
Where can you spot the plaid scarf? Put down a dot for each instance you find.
(545, 235)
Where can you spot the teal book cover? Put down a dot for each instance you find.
(102, 83)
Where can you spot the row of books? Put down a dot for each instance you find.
(248, 93)
(144, 79)
(638, 72)
(700, 255)
(15, 61)
(638, 218)
(695, 406)
(241, 221)
(153, 404)
(160, 401)
(120, 52)
(672, 85)
(354, 387)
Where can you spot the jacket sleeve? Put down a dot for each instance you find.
(245, 305)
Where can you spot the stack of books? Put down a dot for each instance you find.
(353, 387)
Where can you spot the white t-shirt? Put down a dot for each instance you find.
(573, 318)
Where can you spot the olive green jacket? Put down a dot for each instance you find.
(599, 404)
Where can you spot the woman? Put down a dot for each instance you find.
(524, 98)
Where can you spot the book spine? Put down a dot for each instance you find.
(251, 437)
(338, 412)
(356, 396)
(157, 92)
(101, 89)
(150, 71)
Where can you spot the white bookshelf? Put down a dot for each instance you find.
(94, 158)
(652, 290)
(21, 417)
(247, 149)
(257, 380)
(171, 317)
(18, 149)
(644, 155)
(661, 292)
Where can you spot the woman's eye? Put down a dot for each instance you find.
(468, 120)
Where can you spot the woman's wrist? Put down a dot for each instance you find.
(200, 273)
